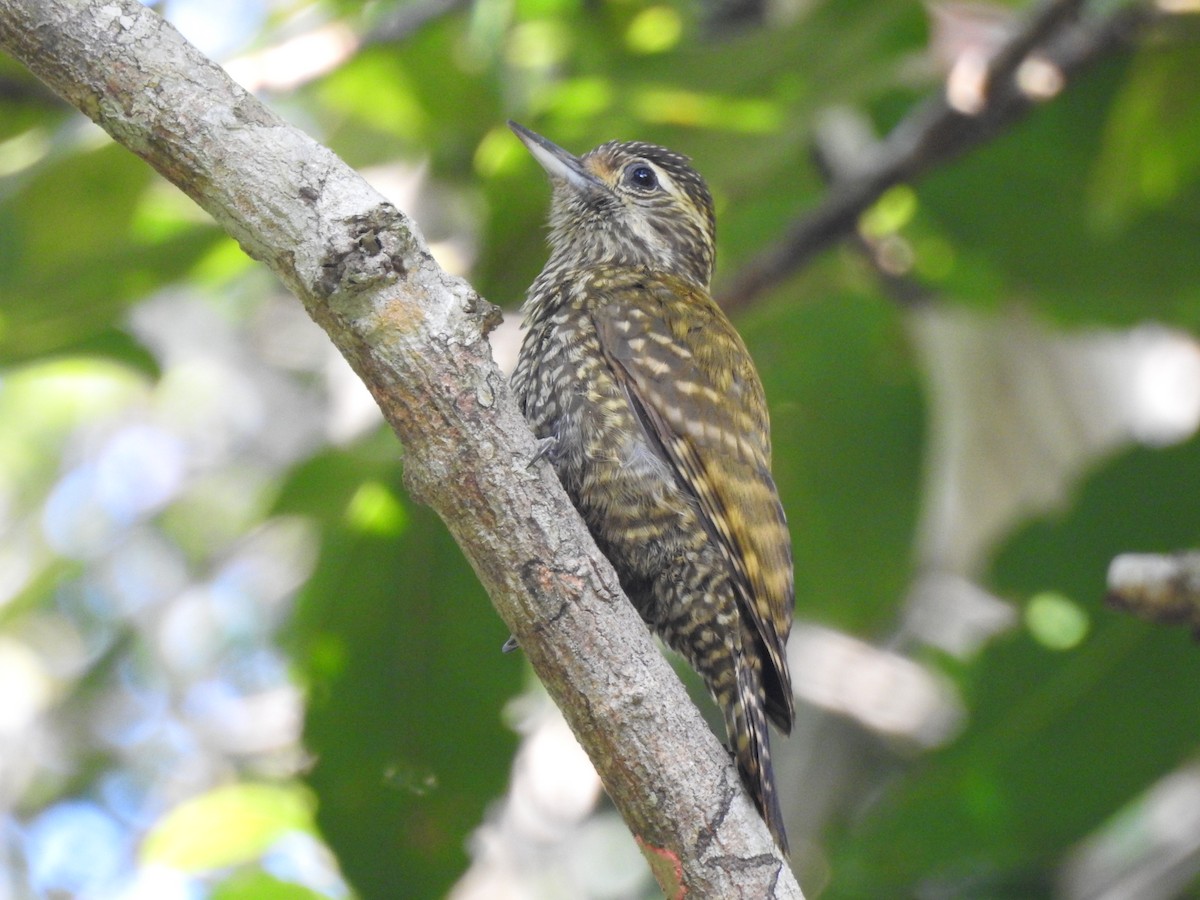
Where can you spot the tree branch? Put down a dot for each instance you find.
(1162, 588)
(936, 132)
(416, 336)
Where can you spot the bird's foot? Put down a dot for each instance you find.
(546, 448)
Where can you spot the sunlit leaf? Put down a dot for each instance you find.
(376, 510)
(258, 885)
(1151, 143)
(406, 682)
(227, 826)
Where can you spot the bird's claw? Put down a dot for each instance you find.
(545, 450)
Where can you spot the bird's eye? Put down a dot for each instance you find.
(643, 177)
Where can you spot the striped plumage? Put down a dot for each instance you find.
(656, 423)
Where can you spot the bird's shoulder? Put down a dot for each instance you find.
(683, 354)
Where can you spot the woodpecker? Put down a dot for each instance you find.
(652, 414)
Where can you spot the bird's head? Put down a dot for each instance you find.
(627, 203)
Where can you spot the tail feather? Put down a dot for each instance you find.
(726, 651)
(746, 722)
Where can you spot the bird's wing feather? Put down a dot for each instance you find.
(693, 384)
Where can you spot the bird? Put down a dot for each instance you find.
(648, 406)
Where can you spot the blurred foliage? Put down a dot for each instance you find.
(243, 820)
(1087, 213)
(1058, 739)
(1096, 243)
(401, 654)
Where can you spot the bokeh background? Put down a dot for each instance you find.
(237, 661)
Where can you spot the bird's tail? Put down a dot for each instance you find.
(746, 722)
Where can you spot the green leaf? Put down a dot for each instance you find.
(1020, 217)
(227, 826)
(1150, 153)
(1061, 735)
(258, 885)
(76, 249)
(400, 649)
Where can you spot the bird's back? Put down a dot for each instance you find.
(662, 440)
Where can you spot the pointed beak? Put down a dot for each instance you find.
(560, 165)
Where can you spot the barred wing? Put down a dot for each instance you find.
(691, 379)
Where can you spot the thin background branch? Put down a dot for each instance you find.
(935, 132)
(1162, 588)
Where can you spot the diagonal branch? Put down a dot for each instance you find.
(416, 337)
(936, 132)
